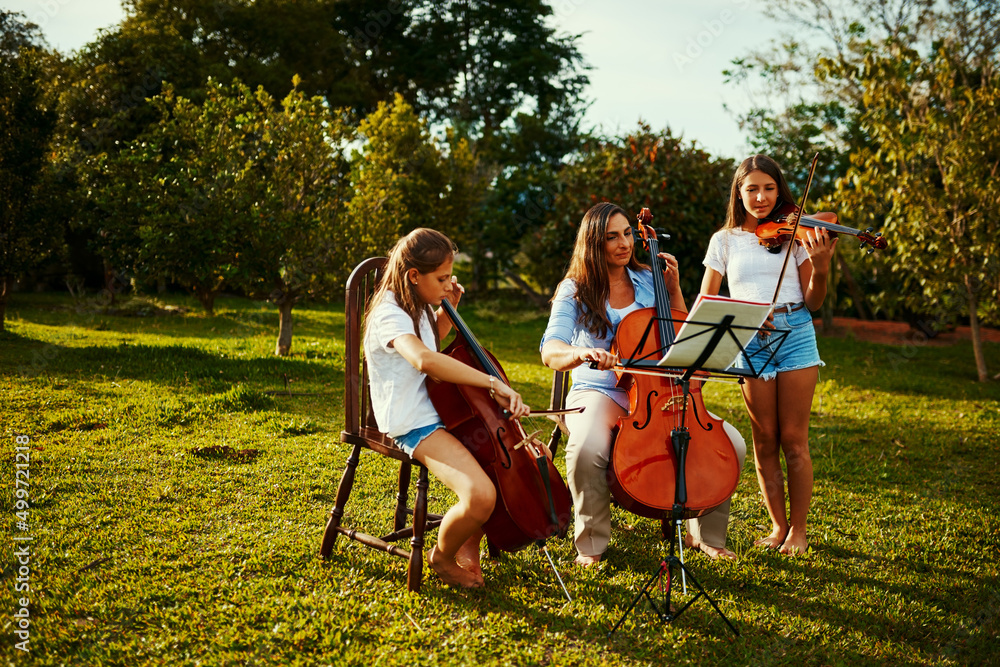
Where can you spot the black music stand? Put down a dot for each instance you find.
(712, 333)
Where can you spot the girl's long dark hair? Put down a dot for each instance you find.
(589, 266)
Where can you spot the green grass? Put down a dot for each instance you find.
(150, 548)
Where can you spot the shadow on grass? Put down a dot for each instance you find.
(234, 317)
(167, 364)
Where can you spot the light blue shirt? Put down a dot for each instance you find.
(565, 324)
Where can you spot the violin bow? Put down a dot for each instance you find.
(795, 229)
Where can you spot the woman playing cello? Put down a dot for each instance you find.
(401, 337)
(779, 401)
(604, 283)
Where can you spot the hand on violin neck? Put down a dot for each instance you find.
(819, 244)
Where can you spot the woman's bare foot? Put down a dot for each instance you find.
(774, 540)
(710, 551)
(795, 544)
(588, 561)
(450, 571)
(468, 556)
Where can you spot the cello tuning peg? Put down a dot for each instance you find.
(870, 230)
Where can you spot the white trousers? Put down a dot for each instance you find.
(588, 452)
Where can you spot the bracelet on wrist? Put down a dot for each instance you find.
(492, 390)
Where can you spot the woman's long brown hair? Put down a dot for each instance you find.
(736, 214)
(589, 266)
(424, 250)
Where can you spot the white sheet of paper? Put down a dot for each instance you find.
(693, 338)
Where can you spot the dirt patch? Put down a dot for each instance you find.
(897, 333)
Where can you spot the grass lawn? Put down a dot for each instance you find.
(152, 543)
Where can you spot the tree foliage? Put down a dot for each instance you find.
(683, 186)
(27, 233)
(234, 191)
(929, 174)
(403, 178)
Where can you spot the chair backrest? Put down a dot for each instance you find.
(360, 426)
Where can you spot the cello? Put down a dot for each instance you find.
(643, 470)
(533, 502)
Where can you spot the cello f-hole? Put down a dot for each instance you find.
(649, 411)
(503, 447)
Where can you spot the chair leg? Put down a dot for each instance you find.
(402, 497)
(343, 493)
(415, 570)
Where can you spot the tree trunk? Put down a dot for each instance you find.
(110, 286)
(826, 310)
(284, 345)
(207, 299)
(536, 298)
(5, 285)
(977, 336)
(852, 287)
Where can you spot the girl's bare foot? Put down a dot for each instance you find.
(774, 540)
(710, 551)
(795, 544)
(468, 556)
(450, 571)
(588, 561)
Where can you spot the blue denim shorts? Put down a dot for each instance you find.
(798, 351)
(408, 441)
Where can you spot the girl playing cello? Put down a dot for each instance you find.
(779, 401)
(604, 283)
(401, 336)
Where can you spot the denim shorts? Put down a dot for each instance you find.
(798, 350)
(408, 441)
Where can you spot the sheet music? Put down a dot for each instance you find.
(697, 330)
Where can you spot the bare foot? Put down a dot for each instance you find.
(468, 556)
(450, 571)
(710, 551)
(774, 540)
(588, 561)
(795, 544)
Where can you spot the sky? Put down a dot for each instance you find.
(656, 60)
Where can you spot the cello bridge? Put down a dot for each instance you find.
(673, 403)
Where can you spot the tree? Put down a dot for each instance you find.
(26, 125)
(402, 178)
(799, 104)
(934, 161)
(298, 245)
(235, 191)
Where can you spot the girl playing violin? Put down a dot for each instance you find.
(780, 400)
(401, 338)
(604, 283)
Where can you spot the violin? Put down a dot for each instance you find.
(643, 469)
(533, 502)
(775, 230)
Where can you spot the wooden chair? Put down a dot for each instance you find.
(362, 432)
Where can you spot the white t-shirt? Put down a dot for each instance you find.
(752, 270)
(398, 390)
